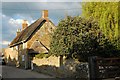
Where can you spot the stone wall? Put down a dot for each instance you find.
(10, 53)
(52, 60)
(70, 69)
(11, 56)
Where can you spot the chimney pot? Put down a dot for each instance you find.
(18, 32)
(45, 14)
(24, 24)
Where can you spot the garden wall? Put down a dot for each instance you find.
(52, 60)
(70, 68)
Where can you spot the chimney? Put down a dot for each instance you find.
(18, 32)
(45, 14)
(24, 24)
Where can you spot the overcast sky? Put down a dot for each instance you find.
(14, 12)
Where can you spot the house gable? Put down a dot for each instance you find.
(37, 47)
(43, 35)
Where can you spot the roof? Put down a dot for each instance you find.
(38, 47)
(27, 33)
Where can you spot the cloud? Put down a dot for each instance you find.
(17, 22)
(32, 11)
(42, 1)
(33, 21)
(14, 12)
(5, 42)
(10, 26)
(60, 1)
(3, 16)
(35, 8)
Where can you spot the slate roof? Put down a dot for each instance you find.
(27, 33)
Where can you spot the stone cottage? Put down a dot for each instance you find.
(32, 40)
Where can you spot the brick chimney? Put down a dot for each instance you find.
(24, 24)
(45, 14)
(18, 32)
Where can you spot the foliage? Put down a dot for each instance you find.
(42, 55)
(106, 13)
(80, 38)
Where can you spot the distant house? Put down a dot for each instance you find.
(32, 40)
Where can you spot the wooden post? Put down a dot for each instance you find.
(29, 61)
(26, 60)
(61, 60)
(93, 68)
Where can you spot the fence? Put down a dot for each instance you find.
(104, 68)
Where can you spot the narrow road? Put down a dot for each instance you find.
(12, 72)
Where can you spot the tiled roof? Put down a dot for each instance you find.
(27, 33)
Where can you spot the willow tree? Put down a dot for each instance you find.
(106, 13)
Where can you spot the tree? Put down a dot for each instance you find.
(80, 38)
(106, 13)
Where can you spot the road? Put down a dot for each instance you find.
(12, 72)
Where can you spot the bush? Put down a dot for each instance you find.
(42, 55)
(81, 38)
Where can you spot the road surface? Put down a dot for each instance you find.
(12, 72)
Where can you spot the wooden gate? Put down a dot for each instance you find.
(104, 68)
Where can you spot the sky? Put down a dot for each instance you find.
(14, 12)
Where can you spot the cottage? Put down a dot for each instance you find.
(32, 40)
